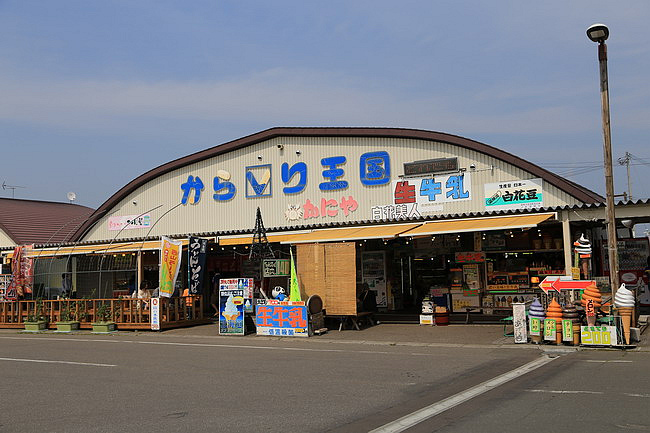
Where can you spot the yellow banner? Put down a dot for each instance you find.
(169, 265)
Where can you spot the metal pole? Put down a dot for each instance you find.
(612, 245)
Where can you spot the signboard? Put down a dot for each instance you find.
(5, 280)
(288, 320)
(519, 322)
(430, 166)
(276, 268)
(426, 319)
(246, 285)
(169, 265)
(196, 253)
(503, 287)
(431, 192)
(590, 310)
(598, 335)
(550, 332)
(514, 194)
(129, 222)
(567, 330)
(231, 312)
(559, 283)
(535, 326)
(155, 314)
(470, 257)
(575, 273)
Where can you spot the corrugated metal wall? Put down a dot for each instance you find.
(209, 215)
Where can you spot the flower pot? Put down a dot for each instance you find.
(37, 326)
(68, 326)
(103, 327)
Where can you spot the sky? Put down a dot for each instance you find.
(95, 93)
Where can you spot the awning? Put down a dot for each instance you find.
(115, 248)
(479, 224)
(352, 233)
(248, 239)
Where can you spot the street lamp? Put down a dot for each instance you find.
(599, 33)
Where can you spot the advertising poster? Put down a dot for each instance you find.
(231, 312)
(284, 319)
(196, 253)
(374, 274)
(169, 265)
(4, 286)
(514, 194)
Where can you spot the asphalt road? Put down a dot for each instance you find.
(155, 383)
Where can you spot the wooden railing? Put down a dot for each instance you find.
(127, 313)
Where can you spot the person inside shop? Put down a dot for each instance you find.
(144, 292)
(367, 300)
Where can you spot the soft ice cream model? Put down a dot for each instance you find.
(536, 311)
(230, 312)
(582, 248)
(554, 311)
(570, 313)
(591, 293)
(624, 301)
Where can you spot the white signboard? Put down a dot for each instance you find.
(514, 194)
(519, 322)
(598, 336)
(129, 222)
(155, 314)
(430, 192)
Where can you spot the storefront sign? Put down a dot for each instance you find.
(169, 265)
(196, 253)
(515, 194)
(231, 312)
(276, 268)
(549, 329)
(155, 314)
(399, 211)
(598, 335)
(470, 257)
(430, 166)
(282, 320)
(433, 191)
(567, 330)
(535, 326)
(519, 322)
(503, 287)
(129, 222)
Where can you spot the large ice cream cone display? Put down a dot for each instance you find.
(554, 311)
(570, 313)
(591, 293)
(624, 301)
(536, 311)
(582, 247)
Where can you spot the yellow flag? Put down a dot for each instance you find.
(294, 288)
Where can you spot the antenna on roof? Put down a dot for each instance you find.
(11, 187)
(72, 196)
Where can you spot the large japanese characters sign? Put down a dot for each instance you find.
(286, 319)
(413, 197)
(514, 194)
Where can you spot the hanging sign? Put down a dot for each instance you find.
(276, 267)
(169, 265)
(155, 314)
(196, 253)
(549, 329)
(231, 312)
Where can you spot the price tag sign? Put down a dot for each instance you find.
(549, 329)
(598, 335)
(567, 330)
(535, 326)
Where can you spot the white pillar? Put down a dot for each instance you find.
(567, 242)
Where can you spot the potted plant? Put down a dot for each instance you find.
(69, 321)
(103, 319)
(36, 321)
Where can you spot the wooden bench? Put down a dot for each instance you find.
(356, 320)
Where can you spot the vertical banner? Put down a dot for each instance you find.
(519, 322)
(196, 252)
(549, 329)
(231, 312)
(155, 314)
(294, 288)
(169, 265)
(23, 273)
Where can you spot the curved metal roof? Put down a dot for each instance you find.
(580, 193)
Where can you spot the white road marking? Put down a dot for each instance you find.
(606, 361)
(432, 410)
(47, 361)
(553, 391)
(637, 395)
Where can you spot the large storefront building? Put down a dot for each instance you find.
(410, 213)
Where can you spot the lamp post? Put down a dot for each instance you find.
(599, 33)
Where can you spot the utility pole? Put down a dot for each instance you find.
(625, 160)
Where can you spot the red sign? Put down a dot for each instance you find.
(470, 257)
(557, 284)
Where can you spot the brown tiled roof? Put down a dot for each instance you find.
(40, 222)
